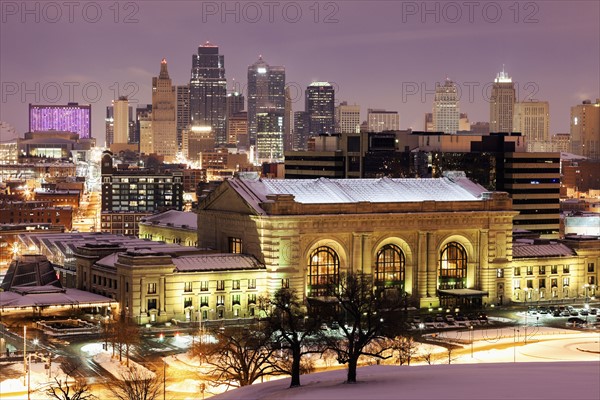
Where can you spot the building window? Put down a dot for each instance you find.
(542, 270)
(220, 313)
(187, 287)
(204, 286)
(152, 288)
(187, 302)
(566, 269)
(203, 301)
(235, 299)
(554, 282)
(251, 283)
(590, 267)
(389, 268)
(542, 294)
(221, 285)
(516, 284)
(235, 245)
(126, 286)
(323, 271)
(566, 281)
(235, 285)
(499, 273)
(453, 267)
(517, 271)
(529, 270)
(542, 283)
(220, 300)
(152, 304)
(591, 280)
(251, 299)
(285, 283)
(530, 284)
(554, 269)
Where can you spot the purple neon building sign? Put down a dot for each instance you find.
(70, 118)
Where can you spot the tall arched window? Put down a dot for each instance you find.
(389, 268)
(323, 271)
(453, 267)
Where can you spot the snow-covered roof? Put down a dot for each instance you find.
(384, 190)
(528, 248)
(64, 297)
(177, 219)
(216, 262)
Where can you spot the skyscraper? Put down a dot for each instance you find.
(69, 118)
(164, 119)
(121, 114)
(502, 103)
(585, 129)
(109, 123)
(532, 119)
(183, 111)
(208, 92)
(320, 107)
(266, 92)
(300, 130)
(347, 118)
(288, 122)
(269, 136)
(446, 113)
(382, 120)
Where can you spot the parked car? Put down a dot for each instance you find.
(324, 327)
(584, 312)
(557, 313)
(482, 318)
(335, 325)
(575, 321)
(449, 318)
(593, 311)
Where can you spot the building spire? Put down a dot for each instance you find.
(164, 73)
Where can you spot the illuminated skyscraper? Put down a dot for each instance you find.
(347, 118)
(502, 103)
(164, 119)
(266, 92)
(208, 92)
(320, 108)
(121, 117)
(69, 118)
(269, 136)
(183, 110)
(532, 119)
(382, 120)
(585, 129)
(446, 113)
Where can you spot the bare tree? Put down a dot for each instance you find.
(295, 331)
(136, 383)
(126, 334)
(361, 316)
(69, 389)
(239, 357)
(428, 357)
(406, 347)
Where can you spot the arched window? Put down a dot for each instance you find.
(453, 267)
(389, 268)
(323, 271)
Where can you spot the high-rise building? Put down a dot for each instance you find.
(67, 118)
(164, 119)
(269, 136)
(463, 123)
(109, 123)
(143, 112)
(183, 111)
(266, 92)
(382, 120)
(234, 103)
(208, 92)
(288, 122)
(502, 103)
(237, 130)
(144, 126)
(121, 113)
(585, 129)
(446, 113)
(347, 118)
(320, 107)
(532, 119)
(300, 130)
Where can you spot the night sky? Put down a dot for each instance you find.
(379, 54)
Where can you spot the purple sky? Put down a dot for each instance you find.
(378, 53)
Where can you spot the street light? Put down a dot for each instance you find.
(527, 291)
(472, 338)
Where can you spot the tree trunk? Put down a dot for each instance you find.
(295, 368)
(352, 370)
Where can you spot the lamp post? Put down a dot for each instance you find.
(515, 332)
(527, 291)
(472, 338)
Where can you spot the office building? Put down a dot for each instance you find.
(532, 119)
(502, 102)
(269, 136)
(347, 118)
(585, 129)
(183, 111)
(300, 130)
(381, 120)
(164, 118)
(121, 118)
(67, 118)
(446, 112)
(266, 93)
(208, 92)
(320, 108)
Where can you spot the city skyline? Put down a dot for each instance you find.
(406, 45)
